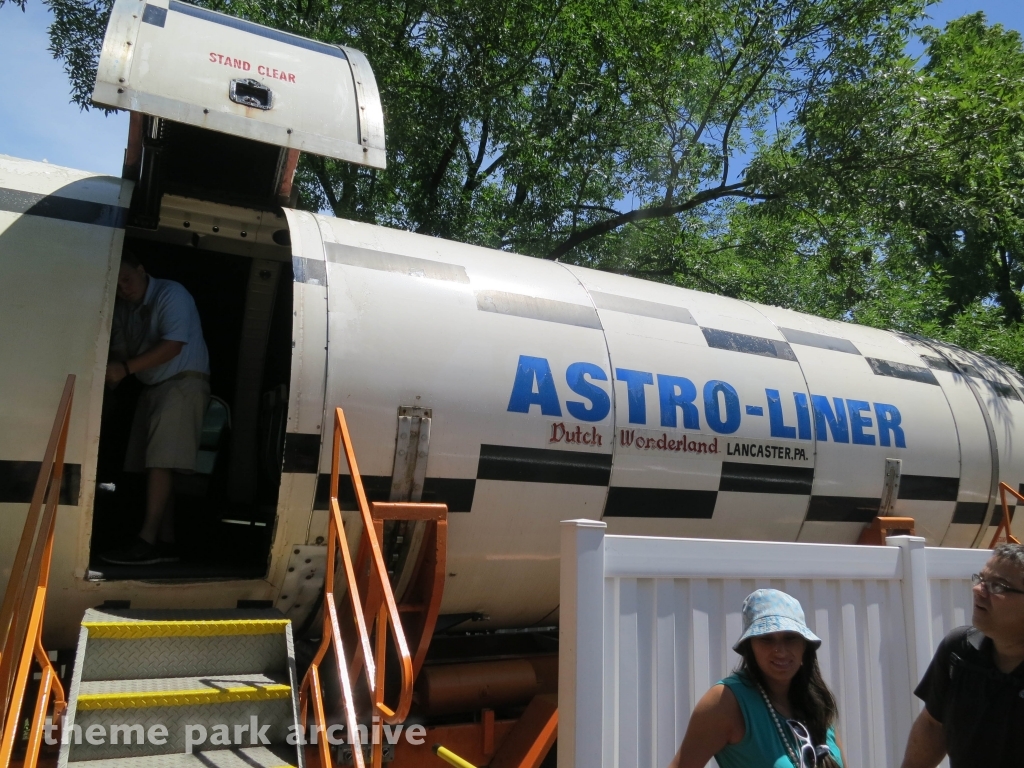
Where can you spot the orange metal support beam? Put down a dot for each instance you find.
(530, 740)
(468, 740)
(24, 603)
(373, 609)
(874, 534)
(1004, 523)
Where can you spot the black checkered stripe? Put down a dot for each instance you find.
(542, 465)
(584, 316)
(517, 464)
(18, 481)
(574, 314)
(922, 374)
(1000, 388)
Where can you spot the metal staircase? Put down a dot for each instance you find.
(218, 688)
(175, 689)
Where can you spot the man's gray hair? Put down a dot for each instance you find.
(1010, 553)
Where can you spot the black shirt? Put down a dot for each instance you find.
(981, 709)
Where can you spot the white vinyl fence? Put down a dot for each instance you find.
(647, 626)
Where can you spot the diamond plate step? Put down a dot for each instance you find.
(228, 702)
(179, 691)
(147, 644)
(244, 757)
(174, 676)
(140, 630)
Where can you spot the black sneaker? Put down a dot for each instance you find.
(168, 551)
(139, 552)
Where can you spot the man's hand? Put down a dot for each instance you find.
(116, 371)
(927, 743)
(165, 350)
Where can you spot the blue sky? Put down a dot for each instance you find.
(38, 122)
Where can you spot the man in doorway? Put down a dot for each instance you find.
(973, 690)
(157, 337)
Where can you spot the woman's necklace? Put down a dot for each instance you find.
(778, 726)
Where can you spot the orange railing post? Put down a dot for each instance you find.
(1004, 523)
(21, 615)
(375, 611)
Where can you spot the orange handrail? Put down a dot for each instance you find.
(21, 615)
(380, 602)
(1004, 524)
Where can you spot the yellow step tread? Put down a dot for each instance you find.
(182, 698)
(140, 630)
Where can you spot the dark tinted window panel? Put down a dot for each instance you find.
(808, 339)
(751, 345)
(643, 308)
(394, 262)
(970, 370)
(1004, 390)
(154, 15)
(938, 364)
(901, 371)
(534, 308)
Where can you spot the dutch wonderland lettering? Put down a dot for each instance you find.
(679, 405)
(561, 433)
(628, 438)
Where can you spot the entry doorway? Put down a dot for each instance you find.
(224, 513)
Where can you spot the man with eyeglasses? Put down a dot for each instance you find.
(973, 690)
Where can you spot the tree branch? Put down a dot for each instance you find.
(604, 208)
(442, 165)
(472, 182)
(654, 212)
(320, 169)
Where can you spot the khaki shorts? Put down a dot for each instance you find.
(168, 425)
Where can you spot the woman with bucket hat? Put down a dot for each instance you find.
(775, 711)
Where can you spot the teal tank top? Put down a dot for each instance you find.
(761, 746)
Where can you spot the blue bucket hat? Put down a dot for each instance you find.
(769, 610)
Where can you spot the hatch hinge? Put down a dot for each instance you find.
(404, 539)
(410, 468)
(891, 486)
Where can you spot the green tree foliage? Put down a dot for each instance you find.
(784, 151)
(900, 205)
(543, 127)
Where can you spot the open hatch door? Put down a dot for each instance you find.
(221, 107)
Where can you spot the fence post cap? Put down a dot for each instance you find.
(583, 523)
(910, 542)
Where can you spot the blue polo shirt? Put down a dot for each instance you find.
(167, 311)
